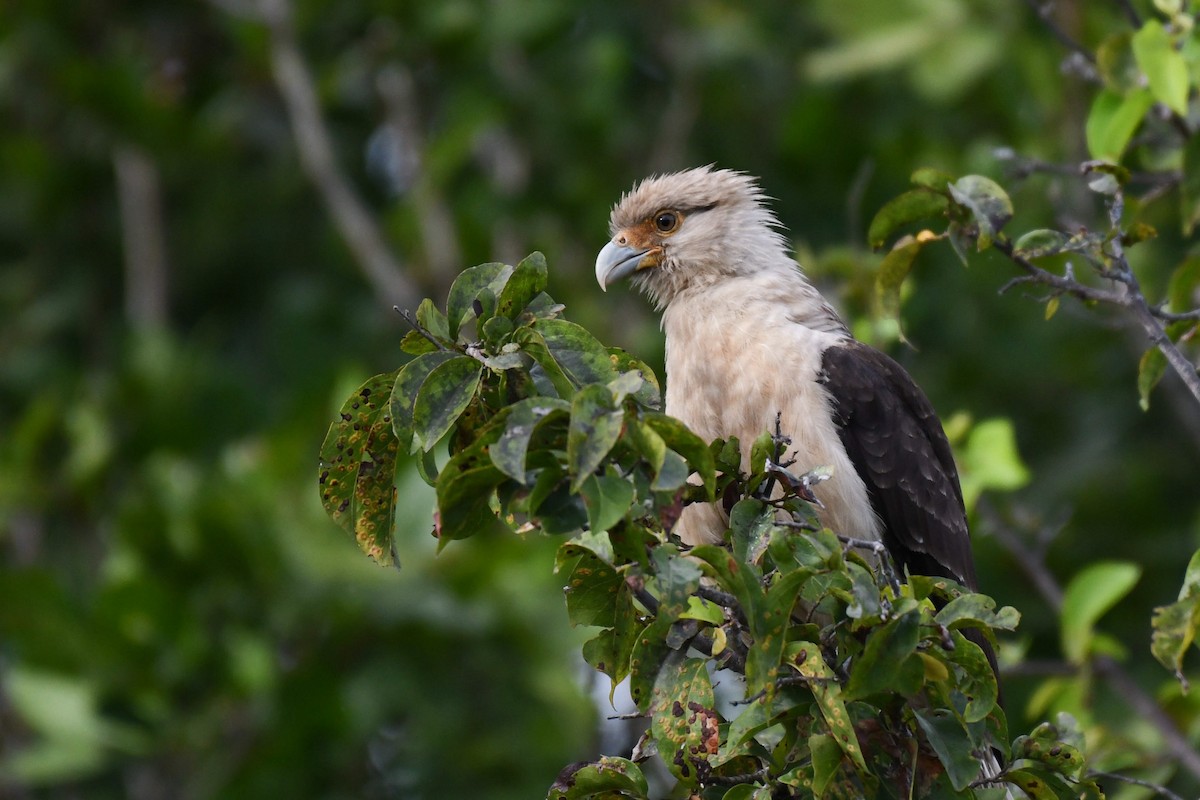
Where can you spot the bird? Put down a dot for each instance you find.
(749, 340)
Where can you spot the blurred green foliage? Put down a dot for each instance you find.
(178, 618)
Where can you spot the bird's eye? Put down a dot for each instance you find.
(666, 221)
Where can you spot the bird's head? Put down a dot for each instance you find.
(690, 229)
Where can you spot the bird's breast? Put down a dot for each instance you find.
(730, 371)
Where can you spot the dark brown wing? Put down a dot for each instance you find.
(895, 441)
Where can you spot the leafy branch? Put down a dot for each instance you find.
(854, 681)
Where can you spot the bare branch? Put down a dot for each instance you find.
(1131, 299)
(315, 149)
(1162, 790)
(139, 198)
(1045, 12)
(1032, 563)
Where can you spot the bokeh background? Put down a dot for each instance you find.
(182, 310)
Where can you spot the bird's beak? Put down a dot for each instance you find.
(618, 261)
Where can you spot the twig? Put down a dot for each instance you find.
(315, 149)
(1131, 299)
(1164, 791)
(1044, 12)
(1131, 13)
(416, 326)
(737, 780)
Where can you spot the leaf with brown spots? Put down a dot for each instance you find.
(358, 467)
(806, 658)
(684, 720)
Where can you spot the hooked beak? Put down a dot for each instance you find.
(617, 261)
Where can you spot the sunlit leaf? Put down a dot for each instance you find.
(1164, 66)
(1112, 121)
(1091, 593)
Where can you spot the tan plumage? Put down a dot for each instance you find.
(748, 337)
(744, 330)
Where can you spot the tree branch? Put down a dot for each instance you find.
(1031, 562)
(1148, 317)
(139, 198)
(315, 149)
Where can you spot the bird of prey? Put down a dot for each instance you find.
(748, 338)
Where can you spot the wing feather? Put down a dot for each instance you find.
(895, 441)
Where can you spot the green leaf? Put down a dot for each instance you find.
(892, 272)
(990, 460)
(570, 356)
(1175, 625)
(930, 178)
(684, 719)
(912, 206)
(607, 499)
(826, 759)
(751, 522)
(595, 427)
(358, 467)
(677, 578)
(1091, 593)
(404, 394)
(1057, 756)
(806, 658)
(1166, 71)
(1112, 121)
(433, 321)
(444, 395)
(988, 203)
(466, 288)
(464, 503)
(1116, 64)
(1151, 368)
(649, 651)
(979, 609)
(527, 281)
(1184, 281)
(1040, 784)
(607, 779)
(704, 611)
(951, 743)
(678, 438)
(524, 418)
(978, 683)
(649, 394)
(887, 648)
(609, 651)
(596, 592)
(1041, 243)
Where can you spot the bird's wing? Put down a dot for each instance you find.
(896, 443)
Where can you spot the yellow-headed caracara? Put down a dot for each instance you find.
(748, 337)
